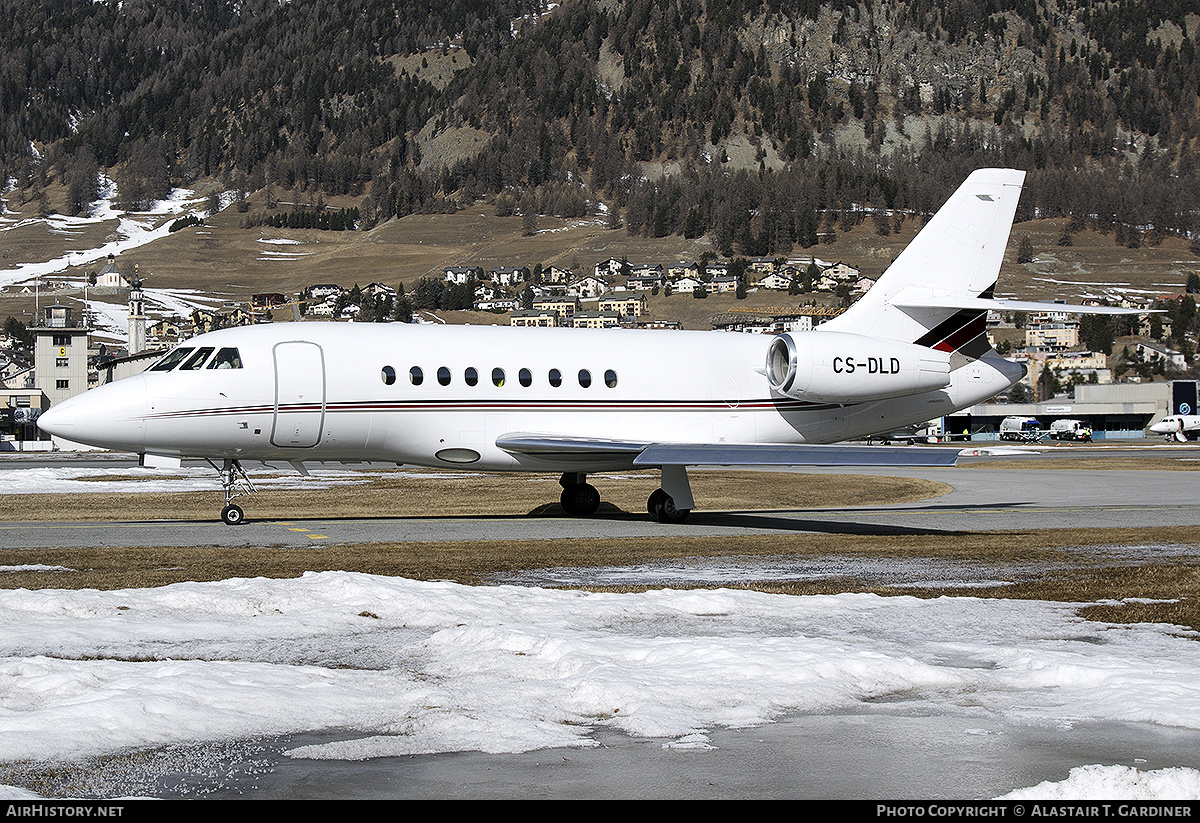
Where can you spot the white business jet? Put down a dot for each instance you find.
(581, 401)
(1180, 427)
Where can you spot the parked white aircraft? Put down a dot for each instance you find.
(1181, 427)
(582, 401)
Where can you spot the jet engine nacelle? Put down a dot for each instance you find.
(842, 367)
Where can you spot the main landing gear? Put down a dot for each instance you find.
(578, 497)
(670, 504)
(235, 483)
(673, 502)
(662, 508)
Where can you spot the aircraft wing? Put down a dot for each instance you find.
(756, 454)
(556, 447)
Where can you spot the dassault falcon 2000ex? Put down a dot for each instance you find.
(582, 401)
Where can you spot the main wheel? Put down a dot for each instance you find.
(581, 499)
(662, 508)
(233, 515)
(655, 501)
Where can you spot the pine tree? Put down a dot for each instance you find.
(1025, 250)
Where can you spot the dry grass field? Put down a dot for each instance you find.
(1098, 462)
(224, 258)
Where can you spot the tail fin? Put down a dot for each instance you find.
(956, 255)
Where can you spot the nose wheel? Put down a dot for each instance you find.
(232, 515)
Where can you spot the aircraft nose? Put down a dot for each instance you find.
(1163, 427)
(110, 416)
(60, 419)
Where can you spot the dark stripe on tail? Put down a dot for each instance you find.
(964, 332)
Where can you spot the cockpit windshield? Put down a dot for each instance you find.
(197, 359)
(194, 358)
(172, 359)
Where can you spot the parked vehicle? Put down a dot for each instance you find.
(1015, 427)
(1070, 430)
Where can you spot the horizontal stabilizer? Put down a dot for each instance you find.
(723, 454)
(918, 301)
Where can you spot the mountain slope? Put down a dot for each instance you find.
(764, 124)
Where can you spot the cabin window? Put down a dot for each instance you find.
(471, 376)
(498, 377)
(610, 379)
(555, 378)
(525, 376)
(197, 359)
(228, 358)
(388, 375)
(585, 378)
(171, 360)
(443, 375)
(416, 376)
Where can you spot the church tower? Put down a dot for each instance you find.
(137, 315)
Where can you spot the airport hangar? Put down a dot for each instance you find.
(1114, 411)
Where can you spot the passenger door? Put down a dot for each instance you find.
(299, 394)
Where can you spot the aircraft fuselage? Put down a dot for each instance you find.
(442, 395)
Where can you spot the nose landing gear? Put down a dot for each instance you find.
(235, 483)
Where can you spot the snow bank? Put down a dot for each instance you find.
(1109, 782)
(403, 667)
